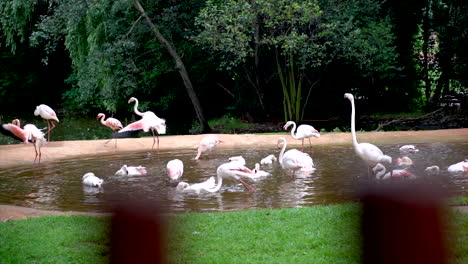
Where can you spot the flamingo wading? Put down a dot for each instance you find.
(294, 160)
(369, 153)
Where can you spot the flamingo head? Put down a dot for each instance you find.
(132, 99)
(16, 122)
(404, 161)
(89, 174)
(182, 186)
(99, 116)
(280, 142)
(289, 123)
(349, 96)
(378, 168)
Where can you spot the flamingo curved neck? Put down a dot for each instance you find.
(280, 158)
(102, 119)
(353, 121)
(135, 108)
(294, 130)
(218, 185)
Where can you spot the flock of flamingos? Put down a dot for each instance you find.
(294, 161)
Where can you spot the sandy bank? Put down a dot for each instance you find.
(24, 153)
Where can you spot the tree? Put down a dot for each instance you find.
(180, 67)
(303, 39)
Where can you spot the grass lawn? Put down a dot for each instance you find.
(319, 234)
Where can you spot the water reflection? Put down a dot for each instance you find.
(57, 185)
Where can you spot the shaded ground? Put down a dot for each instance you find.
(12, 155)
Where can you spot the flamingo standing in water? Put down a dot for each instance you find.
(208, 143)
(207, 185)
(294, 159)
(268, 159)
(233, 170)
(381, 173)
(91, 180)
(131, 171)
(461, 166)
(369, 153)
(303, 132)
(111, 123)
(175, 169)
(148, 122)
(49, 114)
(30, 133)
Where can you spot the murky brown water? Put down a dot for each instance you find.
(58, 186)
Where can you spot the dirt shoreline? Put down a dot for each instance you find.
(21, 154)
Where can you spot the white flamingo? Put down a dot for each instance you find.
(148, 122)
(294, 160)
(234, 171)
(111, 123)
(91, 180)
(303, 132)
(207, 186)
(461, 166)
(175, 169)
(208, 143)
(369, 153)
(432, 169)
(404, 162)
(131, 171)
(49, 114)
(238, 159)
(381, 173)
(268, 159)
(259, 173)
(408, 149)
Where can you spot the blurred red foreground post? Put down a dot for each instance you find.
(404, 224)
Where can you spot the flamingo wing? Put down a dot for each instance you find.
(14, 132)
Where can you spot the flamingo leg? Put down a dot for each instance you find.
(49, 128)
(38, 154)
(154, 140)
(302, 145)
(248, 187)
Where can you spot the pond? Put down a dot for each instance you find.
(340, 173)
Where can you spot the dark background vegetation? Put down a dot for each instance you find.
(82, 57)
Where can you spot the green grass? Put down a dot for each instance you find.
(319, 234)
(55, 239)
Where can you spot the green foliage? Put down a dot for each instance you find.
(14, 20)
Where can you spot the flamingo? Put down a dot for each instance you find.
(408, 149)
(381, 173)
(111, 123)
(30, 133)
(49, 114)
(369, 153)
(131, 171)
(268, 159)
(238, 159)
(404, 162)
(294, 159)
(461, 166)
(148, 122)
(432, 169)
(207, 185)
(235, 171)
(175, 169)
(208, 143)
(259, 173)
(303, 131)
(91, 180)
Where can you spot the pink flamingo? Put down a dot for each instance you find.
(294, 159)
(461, 166)
(111, 123)
(268, 159)
(91, 180)
(369, 153)
(381, 173)
(207, 185)
(131, 171)
(404, 162)
(148, 122)
(233, 170)
(175, 169)
(30, 133)
(49, 114)
(208, 143)
(303, 131)
(258, 173)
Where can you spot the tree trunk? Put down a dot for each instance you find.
(180, 67)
